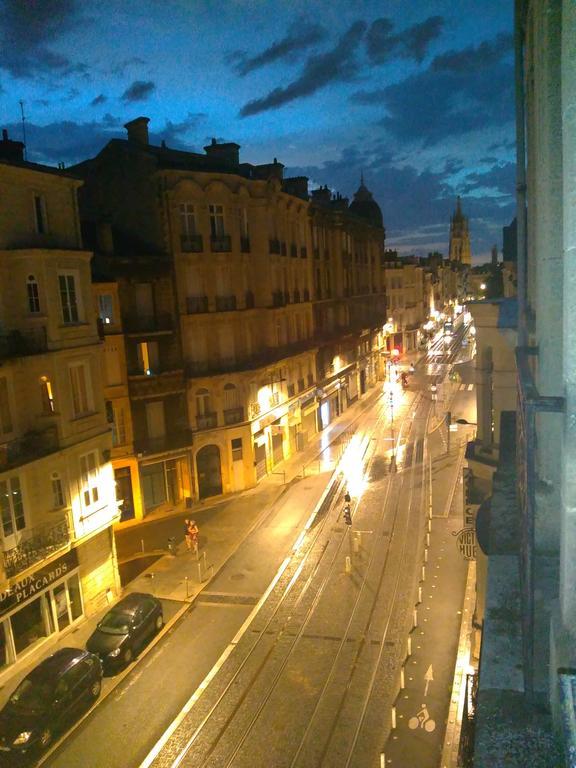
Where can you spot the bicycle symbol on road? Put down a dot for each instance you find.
(422, 720)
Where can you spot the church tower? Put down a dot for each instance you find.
(459, 237)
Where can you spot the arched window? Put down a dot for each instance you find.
(47, 395)
(230, 397)
(203, 407)
(33, 295)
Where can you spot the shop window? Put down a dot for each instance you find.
(11, 506)
(47, 395)
(33, 295)
(75, 597)
(58, 497)
(30, 624)
(153, 484)
(237, 449)
(89, 478)
(5, 416)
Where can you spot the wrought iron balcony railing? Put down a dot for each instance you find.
(233, 415)
(220, 244)
(196, 304)
(191, 243)
(22, 342)
(207, 420)
(225, 303)
(36, 544)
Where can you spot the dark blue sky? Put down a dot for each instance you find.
(417, 95)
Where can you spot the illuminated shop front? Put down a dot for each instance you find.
(166, 481)
(39, 606)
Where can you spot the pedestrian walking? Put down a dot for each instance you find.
(193, 534)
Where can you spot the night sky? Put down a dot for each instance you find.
(417, 94)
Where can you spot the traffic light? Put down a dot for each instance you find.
(347, 514)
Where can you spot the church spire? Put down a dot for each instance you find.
(459, 250)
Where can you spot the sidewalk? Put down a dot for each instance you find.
(177, 579)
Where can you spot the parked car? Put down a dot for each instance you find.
(48, 698)
(126, 628)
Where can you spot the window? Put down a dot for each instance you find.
(47, 395)
(118, 426)
(68, 298)
(5, 417)
(40, 214)
(58, 498)
(203, 402)
(11, 506)
(32, 293)
(237, 449)
(216, 220)
(148, 357)
(80, 384)
(106, 308)
(89, 478)
(230, 397)
(188, 219)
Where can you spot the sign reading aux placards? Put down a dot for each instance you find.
(30, 586)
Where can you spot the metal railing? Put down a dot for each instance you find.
(233, 415)
(35, 545)
(196, 304)
(207, 420)
(220, 244)
(191, 243)
(29, 447)
(22, 342)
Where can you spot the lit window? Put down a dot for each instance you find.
(47, 395)
(230, 397)
(89, 478)
(148, 357)
(202, 402)
(58, 498)
(32, 293)
(68, 298)
(106, 308)
(11, 506)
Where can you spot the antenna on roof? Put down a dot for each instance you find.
(23, 127)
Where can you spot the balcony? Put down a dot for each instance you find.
(245, 244)
(31, 446)
(225, 303)
(233, 415)
(196, 305)
(207, 420)
(36, 544)
(274, 246)
(157, 384)
(191, 243)
(157, 324)
(220, 244)
(175, 441)
(19, 343)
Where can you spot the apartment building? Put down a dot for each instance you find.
(57, 500)
(276, 305)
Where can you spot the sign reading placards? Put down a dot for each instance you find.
(27, 588)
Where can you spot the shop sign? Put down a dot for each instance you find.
(26, 589)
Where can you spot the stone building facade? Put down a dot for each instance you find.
(57, 500)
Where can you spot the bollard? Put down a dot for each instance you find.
(382, 760)
(425, 555)
(423, 573)
(186, 582)
(427, 539)
(419, 594)
(348, 567)
(409, 647)
(142, 544)
(429, 524)
(393, 718)
(356, 544)
(415, 618)
(199, 572)
(402, 684)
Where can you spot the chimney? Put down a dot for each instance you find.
(297, 186)
(322, 195)
(138, 130)
(227, 152)
(11, 150)
(273, 170)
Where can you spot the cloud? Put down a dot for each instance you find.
(25, 30)
(484, 55)
(411, 43)
(301, 35)
(140, 90)
(500, 178)
(172, 133)
(120, 69)
(447, 100)
(339, 64)
(98, 100)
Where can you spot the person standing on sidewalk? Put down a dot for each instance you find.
(193, 534)
(188, 534)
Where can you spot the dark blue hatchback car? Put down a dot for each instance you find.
(51, 696)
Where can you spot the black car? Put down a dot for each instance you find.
(49, 697)
(126, 628)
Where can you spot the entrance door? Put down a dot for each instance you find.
(260, 460)
(277, 452)
(209, 471)
(61, 606)
(124, 492)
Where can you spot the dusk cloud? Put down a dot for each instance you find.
(98, 100)
(339, 64)
(140, 90)
(481, 56)
(301, 35)
(26, 28)
(411, 43)
(501, 177)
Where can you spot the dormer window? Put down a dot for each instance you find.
(33, 295)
